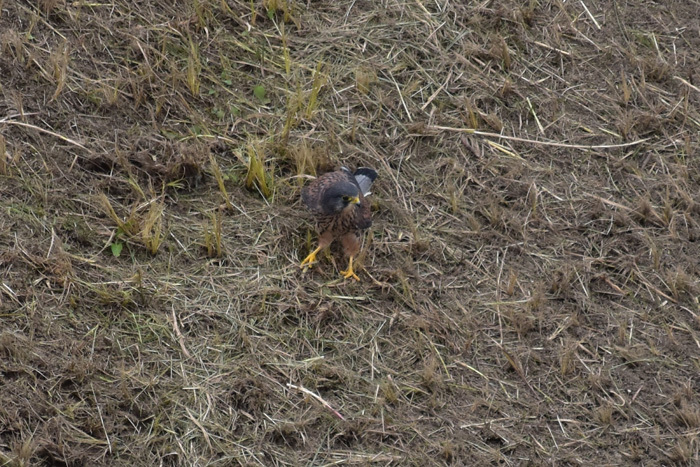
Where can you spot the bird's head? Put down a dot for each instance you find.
(340, 196)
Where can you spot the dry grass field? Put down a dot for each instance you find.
(529, 290)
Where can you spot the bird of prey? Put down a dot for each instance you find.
(337, 199)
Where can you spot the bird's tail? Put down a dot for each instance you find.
(365, 177)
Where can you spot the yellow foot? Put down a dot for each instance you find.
(348, 273)
(309, 260)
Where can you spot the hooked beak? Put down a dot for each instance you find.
(355, 200)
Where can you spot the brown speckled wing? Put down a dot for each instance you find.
(363, 215)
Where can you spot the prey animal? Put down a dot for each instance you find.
(337, 200)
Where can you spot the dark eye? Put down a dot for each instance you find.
(346, 198)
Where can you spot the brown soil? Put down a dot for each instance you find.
(531, 299)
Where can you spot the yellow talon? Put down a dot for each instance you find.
(348, 273)
(309, 260)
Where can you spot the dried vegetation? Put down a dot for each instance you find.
(530, 286)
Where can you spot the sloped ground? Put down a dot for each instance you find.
(524, 301)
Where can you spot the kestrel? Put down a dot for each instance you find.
(338, 201)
